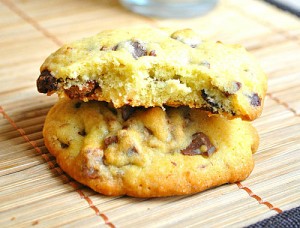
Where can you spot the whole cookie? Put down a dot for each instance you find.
(148, 152)
(155, 67)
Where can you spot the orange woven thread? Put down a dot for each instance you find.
(257, 198)
(58, 170)
(102, 215)
(284, 104)
(21, 131)
(91, 204)
(31, 21)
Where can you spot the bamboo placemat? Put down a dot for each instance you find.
(35, 192)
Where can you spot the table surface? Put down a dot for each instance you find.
(33, 189)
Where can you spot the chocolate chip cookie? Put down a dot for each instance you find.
(155, 67)
(148, 152)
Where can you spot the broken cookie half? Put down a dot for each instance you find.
(156, 67)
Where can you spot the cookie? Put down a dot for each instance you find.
(148, 152)
(155, 67)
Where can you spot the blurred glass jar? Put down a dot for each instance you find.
(170, 8)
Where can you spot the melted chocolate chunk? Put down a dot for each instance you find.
(127, 111)
(90, 172)
(110, 140)
(211, 101)
(46, 82)
(200, 145)
(139, 49)
(92, 159)
(85, 91)
(255, 100)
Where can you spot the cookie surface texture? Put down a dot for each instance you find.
(155, 67)
(148, 152)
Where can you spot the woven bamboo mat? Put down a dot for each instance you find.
(35, 192)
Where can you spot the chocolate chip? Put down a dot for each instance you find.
(82, 133)
(104, 48)
(139, 49)
(127, 111)
(152, 53)
(75, 92)
(255, 100)
(91, 161)
(90, 172)
(174, 163)
(46, 82)
(78, 105)
(114, 48)
(211, 101)
(63, 145)
(110, 140)
(200, 145)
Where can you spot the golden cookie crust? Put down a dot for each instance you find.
(148, 152)
(156, 67)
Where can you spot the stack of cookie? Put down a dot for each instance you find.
(152, 112)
